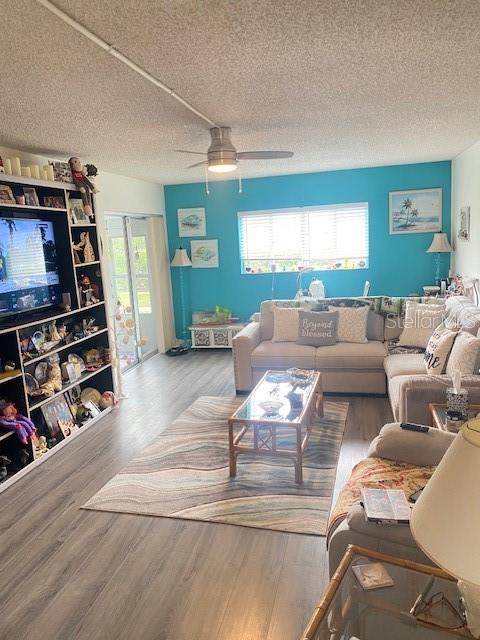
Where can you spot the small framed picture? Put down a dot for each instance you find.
(77, 214)
(92, 408)
(204, 253)
(464, 226)
(31, 197)
(6, 195)
(191, 222)
(62, 172)
(55, 202)
(67, 427)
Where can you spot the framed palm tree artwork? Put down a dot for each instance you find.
(415, 211)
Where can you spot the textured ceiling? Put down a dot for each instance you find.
(342, 83)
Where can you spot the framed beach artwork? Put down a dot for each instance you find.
(417, 211)
(191, 222)
(204, 253)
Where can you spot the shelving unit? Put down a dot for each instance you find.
(13, 338)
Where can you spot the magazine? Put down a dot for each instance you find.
(386, 505)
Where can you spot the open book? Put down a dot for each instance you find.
(386, 505)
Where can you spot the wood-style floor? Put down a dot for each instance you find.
(66, 573)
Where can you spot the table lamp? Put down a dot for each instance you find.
(445, 520)
(440, 244)
(181, 259)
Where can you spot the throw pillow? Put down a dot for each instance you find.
(438, 349)
(317, 329)
(464, 354)
(352, 323)
(285, 324)
(420, 322)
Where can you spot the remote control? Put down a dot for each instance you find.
(410, 426)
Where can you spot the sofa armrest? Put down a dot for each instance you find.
(243, 343)
(413, 447)
(417, 391)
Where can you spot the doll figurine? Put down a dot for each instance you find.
(13, 421)
(83, 184)
(53, 382)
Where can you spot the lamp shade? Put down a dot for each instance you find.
(440, 244)
(181, 259)
(445, 520)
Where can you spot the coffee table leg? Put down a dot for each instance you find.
(319, 400)
(233, 457)
(299, 458)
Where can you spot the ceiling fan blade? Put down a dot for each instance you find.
(197, 153)
(263, 155)
(197, 164)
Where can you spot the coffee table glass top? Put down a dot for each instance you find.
(278, 397)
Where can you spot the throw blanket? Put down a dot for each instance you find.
(377, 473)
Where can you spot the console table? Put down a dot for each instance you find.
(217, 336)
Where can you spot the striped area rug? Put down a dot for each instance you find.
(184, 473)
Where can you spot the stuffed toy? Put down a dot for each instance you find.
(83, 184)
(13, 421)
(53, 382)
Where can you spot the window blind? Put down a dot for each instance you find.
(332, 236)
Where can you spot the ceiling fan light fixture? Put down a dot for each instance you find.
(222, 166)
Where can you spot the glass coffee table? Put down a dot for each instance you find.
(438, 416)
(281, 405)
(349, 612)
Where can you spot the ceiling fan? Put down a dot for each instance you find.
(222, 156)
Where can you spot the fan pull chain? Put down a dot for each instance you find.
(206, 182)
(239, 180)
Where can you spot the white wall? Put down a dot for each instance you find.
(466, 193)
(121, 194)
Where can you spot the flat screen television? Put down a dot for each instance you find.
(29, 278)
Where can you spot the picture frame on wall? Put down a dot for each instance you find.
(464, 224)
(191, 223)
(6, 195)
(415, 211)
(204, 253)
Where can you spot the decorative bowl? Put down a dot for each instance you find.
(271, 407)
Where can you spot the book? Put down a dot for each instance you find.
(372, 575)
(389, 506)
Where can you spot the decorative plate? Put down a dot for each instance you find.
(31, 384)
(278, 376)
(73, 358)
(271, 407)
(89, 394)
(41, 372)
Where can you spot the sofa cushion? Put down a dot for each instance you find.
(438, 350)
(375, 326)
(420, 322)
(462, 313)
(376, 473)
(352, 324)
(394, 387)
(285, 325)
(317, 328)
(282, 355)
(404, 364)
(464, 355)
(351, 355)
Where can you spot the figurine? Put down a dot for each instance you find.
(54, 335)
(83, 184)
(89, 291)
(42, 444)
(107, 399)
(3, 467)
(88, 252)
(62, 330)
(53, 382)
(77, 247)
(13, 421)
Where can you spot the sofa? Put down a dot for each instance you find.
(396, 459)
(357, 368)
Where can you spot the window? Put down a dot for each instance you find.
(323, 237)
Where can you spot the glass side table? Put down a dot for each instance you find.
(348, 612)
(438, 415)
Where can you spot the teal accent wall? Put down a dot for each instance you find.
(398, 265)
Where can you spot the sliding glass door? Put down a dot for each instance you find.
(131, 287)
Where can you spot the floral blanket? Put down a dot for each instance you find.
(377, 473)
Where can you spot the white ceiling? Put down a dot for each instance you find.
(342, 83)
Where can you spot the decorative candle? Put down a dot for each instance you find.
(44, 174)
(26, 173)
(16, 167)
(8, 165)
(35, 171)
(50, 174)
